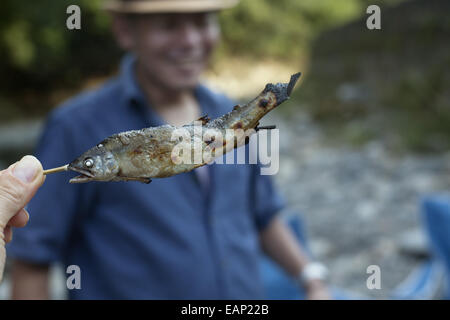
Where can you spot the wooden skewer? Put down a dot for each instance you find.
(55, 170)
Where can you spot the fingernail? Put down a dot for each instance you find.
(26, 169)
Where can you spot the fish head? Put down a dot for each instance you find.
(96, 164)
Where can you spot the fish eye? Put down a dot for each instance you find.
(88, 162)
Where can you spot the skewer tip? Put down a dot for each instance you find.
(56, 170)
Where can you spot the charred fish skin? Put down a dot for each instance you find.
(140, 155)
(247, 116)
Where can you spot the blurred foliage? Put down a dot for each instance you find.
(391, 83)
(38, 52)
(39, 55)
(281, 28)
(284, 28)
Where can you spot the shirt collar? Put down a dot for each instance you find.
(134, 96)
(132, 92)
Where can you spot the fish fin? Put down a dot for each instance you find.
(143, 180)
(266, 128)
(292, 82)
(205, 119)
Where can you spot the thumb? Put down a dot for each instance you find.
(18, 184)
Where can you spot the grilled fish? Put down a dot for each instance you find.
(141, 155)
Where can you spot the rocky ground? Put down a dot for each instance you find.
(361, 206)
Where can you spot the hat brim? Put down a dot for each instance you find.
(165, 6)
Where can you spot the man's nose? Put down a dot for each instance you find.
(190, 35)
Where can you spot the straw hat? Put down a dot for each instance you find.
(167, 6)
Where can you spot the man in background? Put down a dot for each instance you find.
(196, 235)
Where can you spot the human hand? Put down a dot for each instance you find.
(18, 184)
(317, 290)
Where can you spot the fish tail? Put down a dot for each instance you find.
(248, 116)
(282, 91)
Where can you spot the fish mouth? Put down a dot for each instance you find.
(85, 175)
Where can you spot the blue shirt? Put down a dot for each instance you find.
(164, 240)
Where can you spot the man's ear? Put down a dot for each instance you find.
(123, 31)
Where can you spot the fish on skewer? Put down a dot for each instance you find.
(141, 155)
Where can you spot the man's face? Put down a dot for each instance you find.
(173, 49)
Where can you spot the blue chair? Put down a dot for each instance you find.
(432, 277)
(436, 217)
(421, 284)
